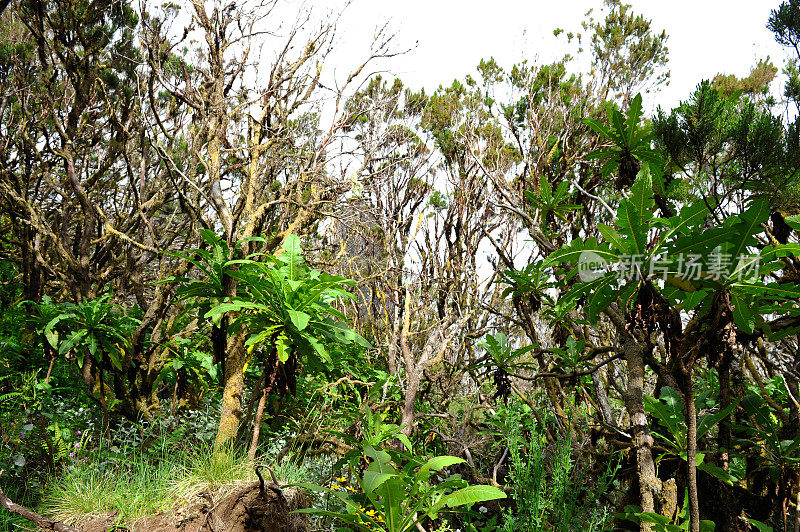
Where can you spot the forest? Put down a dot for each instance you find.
(243, 290)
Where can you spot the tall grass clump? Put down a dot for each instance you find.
(134, 488)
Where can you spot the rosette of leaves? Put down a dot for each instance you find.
(550, 203)
(504, 361)
(287, 307)
(629, 144)
(94, 327)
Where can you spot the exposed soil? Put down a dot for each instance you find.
(247, 509)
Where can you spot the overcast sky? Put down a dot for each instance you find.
(449, 37)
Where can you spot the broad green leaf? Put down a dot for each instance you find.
(698, 244)
(282, 347)
(319, 349)
(72, 341)
(571, 253)
(293, 255)
(669, 410)
(299, 319)
(92, 344)
(600, 298)
(761, 527)
(707, 526)
(612, 237)
(691, 299)
(635, 212)
(633, 115)
(473, 494)
(706, 421)
(717, 472)
(438, 463)
(404, 440)
(749, 226)
(691, 216)
(793, 221)
(49, 330)
(373, 479)
(742, 314)
(598, 127)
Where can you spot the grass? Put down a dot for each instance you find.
(137, 485)
(133, 489)
(217, 473)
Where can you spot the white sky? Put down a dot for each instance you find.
(705, 36)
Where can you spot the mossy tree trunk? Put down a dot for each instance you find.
(231, 413)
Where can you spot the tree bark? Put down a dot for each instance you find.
(40, 520)
(649, 484)
(691, 453)
(232, 394)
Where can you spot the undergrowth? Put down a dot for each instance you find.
(147, 483)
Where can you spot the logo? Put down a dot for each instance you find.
(591, 266)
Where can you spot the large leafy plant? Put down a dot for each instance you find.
(704, 278)
(662, 523)
(284, 304)
(94, 327)
(688, 260)
(629, 143)
(396, 490)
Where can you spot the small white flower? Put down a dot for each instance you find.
(483, 509)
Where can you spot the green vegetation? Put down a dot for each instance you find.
(518, 303)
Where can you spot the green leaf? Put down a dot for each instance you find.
(750, 225)
(692, 299)
(600, 298)
(698, 244)
(473, 494)
(691, 215)
(438, 463)
(761, 527)
(635, 212)
(707, 526)
(319, 349)
(706, 421)
(718, 473)
(612, 237)
(49, 330)
(598, 127)
(743, 316)
(793, 221)
(293, 255)
(373, 479)
(571, 253)
(299, 319)
(282, 347)
(633, 116)
(669, 410)
(69, 343)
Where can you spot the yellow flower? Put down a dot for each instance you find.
(351, 488)
(341, 480)
(371, 513)
(335, 486)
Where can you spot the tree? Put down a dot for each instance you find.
(628, 56)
